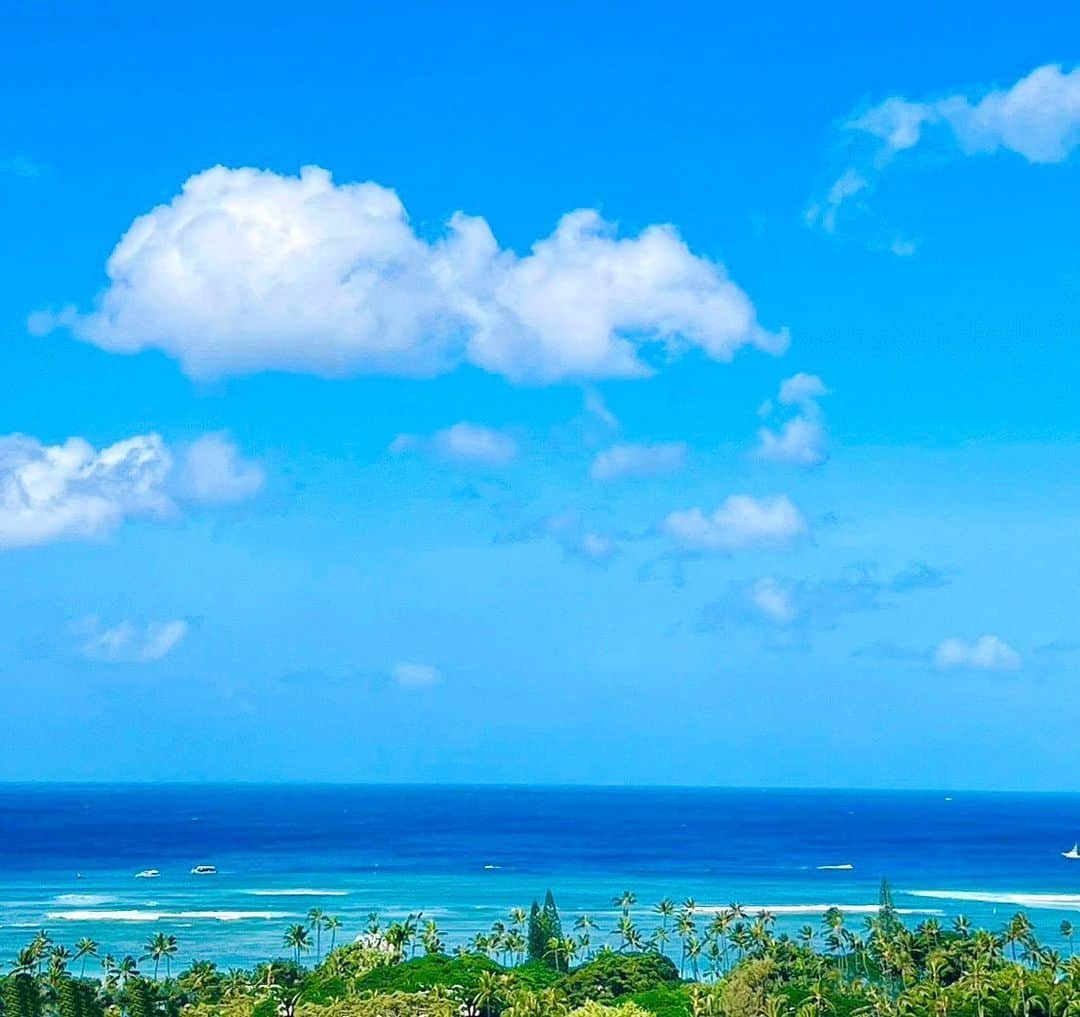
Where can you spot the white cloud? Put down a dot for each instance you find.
(847, 185)
(740, 522)
(129, 643)
(73, 491)
(596, 407)
(629, 460)
(1037, 118)
(772, 600)
(987, 653)
(53, 492)
(247, 270)
(801, 440)
(801, 389)
(462, 442)
(213, 470)
(416, 676)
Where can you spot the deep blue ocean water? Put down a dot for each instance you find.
(465, 856)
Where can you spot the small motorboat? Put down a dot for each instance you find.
(204, 870)
(1073, 852)
(148, 874)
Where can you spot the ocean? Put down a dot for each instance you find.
(464, 856)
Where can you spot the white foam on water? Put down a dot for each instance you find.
(1048, 901)
(815, 909)
(133, 915)
(83, 899)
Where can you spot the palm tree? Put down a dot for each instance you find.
(976, 981)
(625, 901)
(160, 948)
(84, 948)
(125, 970)
(1067, 932)
(296, 937)
(666, 910)
(315, 921)
(237, 983)
(332, 923)
(489, 989)
(430, 938)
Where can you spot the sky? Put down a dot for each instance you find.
(563, 393)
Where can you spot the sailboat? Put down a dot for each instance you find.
(1073, 852)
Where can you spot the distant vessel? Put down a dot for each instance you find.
(845, 867)
(1073, 852)
(210, 870)
(147, 874)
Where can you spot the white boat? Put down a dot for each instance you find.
(1073, 852)
(147, 874)
(204, 870)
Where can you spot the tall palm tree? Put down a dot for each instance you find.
(625, 901)
(332, 923)
(665, 909)
(1067, 931)
(161, 947)
(315, 921)
(976, 981)
(85, 947)
(296, 937)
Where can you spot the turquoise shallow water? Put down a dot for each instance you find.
(465, 856)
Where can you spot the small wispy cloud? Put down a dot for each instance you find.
(740, 522)
(802, 439)
(128, 642)
(987, 653)
(630, 460)
(463, 443)
(416, 676)
(1036, 118)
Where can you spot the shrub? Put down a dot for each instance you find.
(612, 975)
(536, 975)
(594, 1009)
(386, 1004)
(664, 1001)
(427, 972)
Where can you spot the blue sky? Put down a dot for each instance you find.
(759, 470)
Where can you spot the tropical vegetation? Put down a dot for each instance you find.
(666, 960)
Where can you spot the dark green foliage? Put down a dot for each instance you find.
(265, 1007)
(544, 925)
(140, 998)
(324, 989)
(536, 975)
(78, 999)
(612, 975)
(22, 997)
(536, 937)
(427, 972)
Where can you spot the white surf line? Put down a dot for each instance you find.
(132, 915)
(1048, 901)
